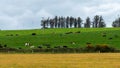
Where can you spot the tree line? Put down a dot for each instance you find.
(72, 22)
(116, 23)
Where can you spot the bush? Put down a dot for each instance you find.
(1, 46)
(19, 48)
(89, 48)
(104, 48)
(48, 46)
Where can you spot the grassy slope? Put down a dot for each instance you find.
(57, 37)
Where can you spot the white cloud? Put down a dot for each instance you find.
(23, 14)
(44, 13)
(9, 22)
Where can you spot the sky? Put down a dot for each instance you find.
(27, 14)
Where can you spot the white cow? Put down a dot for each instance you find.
(32, 46)
(27, 44)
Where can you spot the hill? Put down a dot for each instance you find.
(72, 37)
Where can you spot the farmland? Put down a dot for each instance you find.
(86, 60)
(58, 37)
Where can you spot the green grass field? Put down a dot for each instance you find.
(57, 37)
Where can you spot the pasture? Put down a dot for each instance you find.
(86, 60)
(73, 37)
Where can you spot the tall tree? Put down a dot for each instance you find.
(56, 21)
(62, 22)
(116, 23)
(101, 22)
(75, 23)
(67, 22)
(71, 21)
(79, 22)
(59, 21)
(98, 22)
(51, 23)
(47, 22)
(43, 23)
(87, 23)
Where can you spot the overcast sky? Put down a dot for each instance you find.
(26, 14)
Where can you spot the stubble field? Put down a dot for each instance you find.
(86, 60)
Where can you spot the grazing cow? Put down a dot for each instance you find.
(110, 38)
(69, 33)
(73, 43)
(11, 35)
(39, 46)
(16, 34)
(33, 34)
(103, 35)
(55, 47)
(65, 46)
(27, 44)
(77, 32)
(32, 46)
(19, 48)
(58, 47)
(88, 43)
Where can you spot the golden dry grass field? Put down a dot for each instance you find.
(86, 60)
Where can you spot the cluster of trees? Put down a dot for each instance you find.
(70, 22)
(116, 23)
